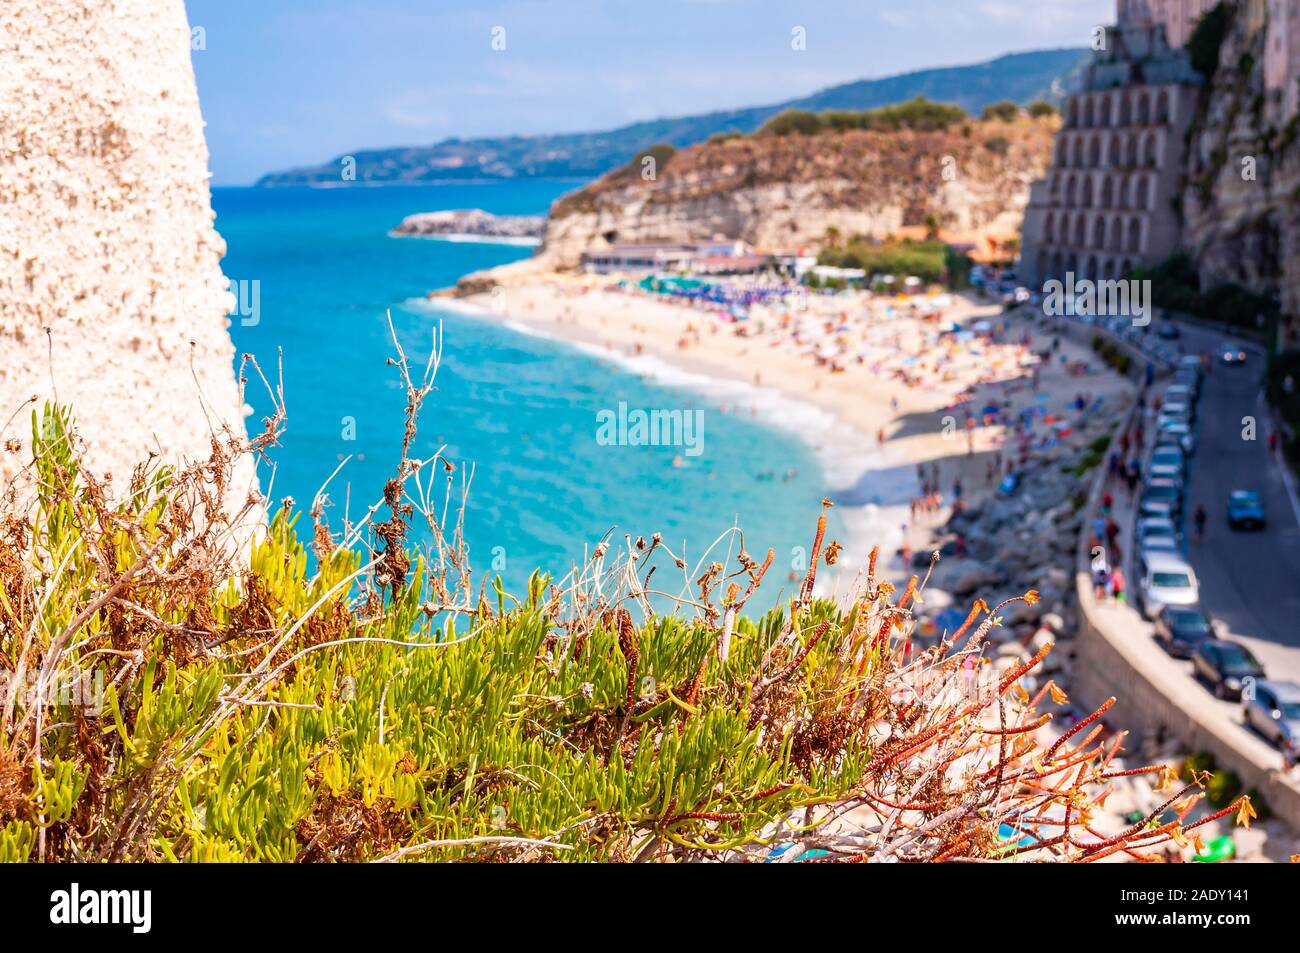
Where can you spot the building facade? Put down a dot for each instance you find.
(1282, 53)
(1178, 17)
(1107, 203)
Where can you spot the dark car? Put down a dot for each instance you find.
(1230, 352)
(1245, 510)
(1167, 330)
(1182, 629)
(1162, 497)
(1225, 666)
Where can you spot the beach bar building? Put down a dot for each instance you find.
(717, 257)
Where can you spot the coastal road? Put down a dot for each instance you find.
(1250, 581)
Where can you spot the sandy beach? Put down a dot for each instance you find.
(887, 396)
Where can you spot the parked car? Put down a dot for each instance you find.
(1162, 497)
(1274, 711)
(1166, 441)
(1182, 628)
(1168, 330)
(1177, 407)
(1224, 666)
(1165, 579)
(1230, 352)
(1246, 510)
(1167, 462)
(1157, 526)
(1182, 431)
(1190, 378)
(1159, 543)
(1180, 391)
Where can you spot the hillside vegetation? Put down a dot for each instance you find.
(1020, 77)
(804, 175)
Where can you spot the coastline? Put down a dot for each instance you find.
(841, 415)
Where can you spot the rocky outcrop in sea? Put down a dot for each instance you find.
(472, 222)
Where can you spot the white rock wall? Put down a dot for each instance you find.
(106, 234)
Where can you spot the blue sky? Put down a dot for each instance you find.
(291, 82)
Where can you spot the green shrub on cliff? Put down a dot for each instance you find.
(173, 701)
(1207, 39)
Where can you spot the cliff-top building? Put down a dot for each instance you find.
(1106, 206)
(1109, 201)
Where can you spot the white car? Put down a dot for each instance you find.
(1167, 462)
(1176, 407)
(1165, 579)
(1181, 431)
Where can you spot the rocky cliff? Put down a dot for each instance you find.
(111, 294)
(786, 191)
(1241, 200)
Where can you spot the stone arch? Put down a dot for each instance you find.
(1078, 152)
(1126, 267)
(1089, 113)
(1071, 190)
(1085, 192)
(1072, 114)
(1126, 108)
(1058, 265)
(1107, 197)
(1090, 269)
(1108, 270)
(1116, 234)
(1115, 157)
(1151, 150)
(1094, 151)
(1080, 231)
(1143, 109)
(1049, 228)
(1135, 236)
(1131, 151)
(1099, 232)
(1162, 107)
(1104, 113)
(1142, 193)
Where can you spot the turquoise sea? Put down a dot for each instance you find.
(520, 410)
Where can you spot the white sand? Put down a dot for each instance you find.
(905, 388)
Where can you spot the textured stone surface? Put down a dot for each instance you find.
(106, 234)
(784, 192)
(1243, 176)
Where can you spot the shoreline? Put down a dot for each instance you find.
(868, 430)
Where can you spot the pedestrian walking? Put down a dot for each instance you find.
(1117, 584)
